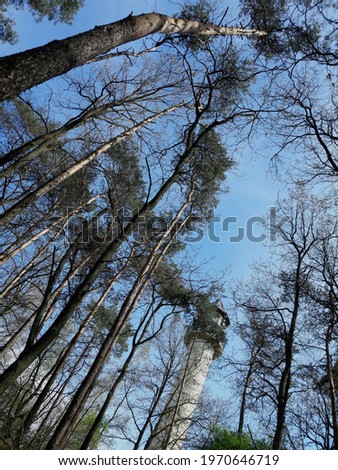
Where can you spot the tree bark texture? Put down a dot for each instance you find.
(21, 71)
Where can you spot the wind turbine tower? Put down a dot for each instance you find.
(205, 341)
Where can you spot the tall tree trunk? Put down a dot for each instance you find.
(21, 71)
(27, 238)
(14, 249)
(66, 425)
(284, 384)
(51, 296)
(55, 403)
(11, 285)
(330, 373)
(244, 396)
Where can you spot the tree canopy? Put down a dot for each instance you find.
(57, 10)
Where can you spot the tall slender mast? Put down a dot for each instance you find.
(204, 340)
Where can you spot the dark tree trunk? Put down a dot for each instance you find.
(24, 70)
(21, 71)
(285, 381)
(330, 373)
(245, 394)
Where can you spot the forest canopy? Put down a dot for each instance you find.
(56, 10)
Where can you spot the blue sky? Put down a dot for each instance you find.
(252, 189)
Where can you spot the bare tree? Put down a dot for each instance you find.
(276, 308)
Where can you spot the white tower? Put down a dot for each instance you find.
(205, 340)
